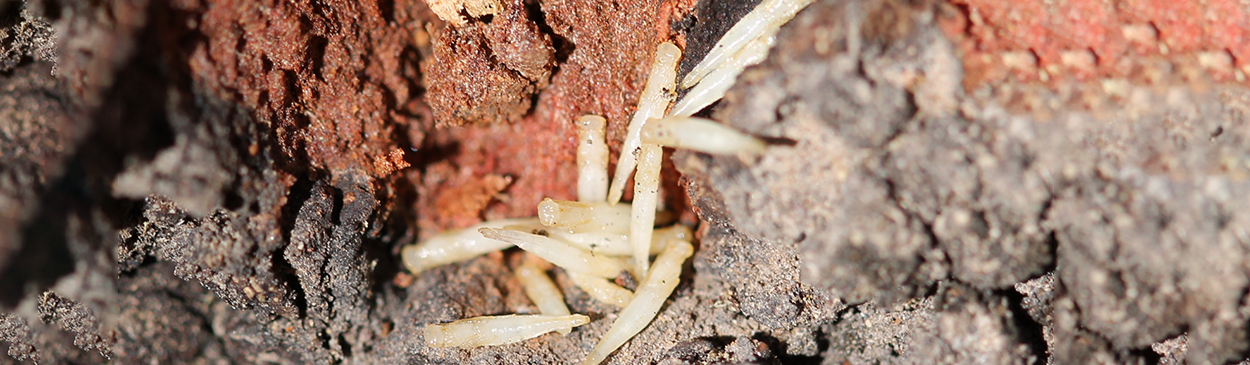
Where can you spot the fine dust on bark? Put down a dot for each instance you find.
(225, 181)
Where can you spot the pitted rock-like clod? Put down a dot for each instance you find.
(879, 187)
(764, 277)
(1154, 242)
(1137, 207)
(971, 327)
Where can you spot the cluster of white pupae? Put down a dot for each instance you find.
(595, 238)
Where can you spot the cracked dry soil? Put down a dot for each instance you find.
(219, 181)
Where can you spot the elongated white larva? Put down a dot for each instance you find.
(703, 135)
(663, 236)
(592, 159)
(581, 217)
(647, 301)
(768, 15)
(608, 243)
(544, 293)
(713, 87)
(559, 253)
(619, 244)
(599, 243)
(498, 330)
(602, 289)
(457, 245)
(646, 196)
(653, 102)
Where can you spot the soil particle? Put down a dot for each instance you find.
(489, 70)
(37, 134)
(719, 351)
(1038, 302)
(24, 34)
(53, 211)
(960, 189)
(957, 325)
(331, 80)
(73, 316)
(868, 246)
(1172, 351)
(1153, 246)
(216, 249)
(17, 333)
(220, 201)
(764, 277)
(160, 315)
(517, 43)
(867, 334)
(971, 328)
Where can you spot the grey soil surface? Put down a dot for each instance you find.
(150, 212)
